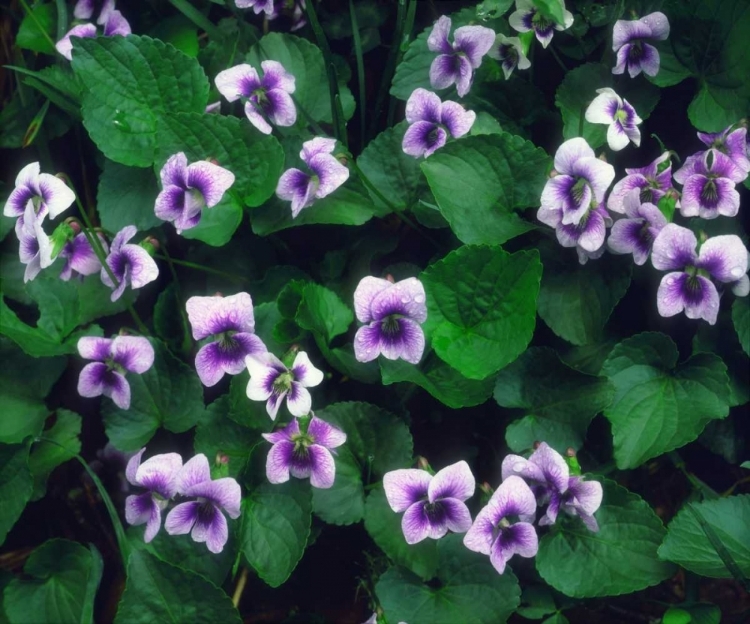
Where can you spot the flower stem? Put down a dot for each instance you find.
(240, 587)
(557, 58)
(62, 18)
(360, 73)
(205, 269)
(186, 344)
(35, 19)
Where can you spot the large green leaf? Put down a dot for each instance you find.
(741, 319)
(470, 590)
(323, 312)
(159, 592)
(16, 484)
(46, 456)
(559, 401)
(618, 559)
(131, 85)
(126, 196)
(64, 579)
(658, 404)
(479, 181)
(688, 545)
(37, 30)
(481, 305)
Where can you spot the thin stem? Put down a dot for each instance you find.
(35, 19)
(62, 18)
(557, 58)
(360, 73)
(186, 344)
(240, 587)
(195, 16)
(205, 269)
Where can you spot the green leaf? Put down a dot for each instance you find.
(552, 9)
(619, 559)
(180, 32)
(536, 602)
(322, 311)
(414, 69)
(37, 31)
(480, 180)
(159, 592)
(741, 320)
(168, 395)
(559, 402)
(481, 304)
(720, 340)
(275, 527)
(45, 457)
(126, 196)
(243, 411)
(377, 441)
(217, 224)
(576, 300)
(687, 544)
(470, 590)
(384, 527)
(658, 404)
(131, 84)
(16, 484)
(64, 579)
(442, 381)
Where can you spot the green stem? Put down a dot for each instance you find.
(62, 18)
(35, 19)
(195, 16)
(557, 58)
(186, 343)
(205, 269)
(360, 73)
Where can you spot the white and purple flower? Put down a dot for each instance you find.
(158, 475)
(80, 258)
(113, 358)
(34, 246)
(433, 505)
(258, 6)
(652, 181)
(231, 320)
(204, 516)
(588, 235)
(509, 51)
(610, 109)
(187, 189)
(688, 284)
(393, 313)
(293, 9)
(130, 264)
(629, 42)
(304, 454)
(457, 61)
(271, 381)
(48, 194)
(708, 181)
(267, 98)
(85, 9)
(733, 141)
(636, 233)
(527, 17)
(113, 24)
(431, 121)
(301, 188)
(494, 532)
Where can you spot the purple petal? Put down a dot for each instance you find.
(122, 237)
(438, 39)
(724, 257)
(83, 9)
(631, 236)
(255, 117)
(474, 42)
(194, 471)
(552, 465)
(603, 107)
(316, 146)
(405, 340)
(138, 509)
(331, 174)
(674, 248)
(117, 388)
(585, 496)
(405, 487)
(481, 535)
(92, 379)
(143, 269)
(735, 146)
(597, 173)
(696, 295)
(223, 493)
(55, 194)
(134, 353)
(159, 474)
(520, 20)
(132, 466)
(457, 119)
(423, 138)
(513, 498)
(625, 31)
(80, 256)
(648, 61)
(279, 461)
(227, 356)
(589, 234)
(515, 465)
(107, 7)
(170, 203)
(211, 528)
(658, 24)
(276, 77)
(365, 293)
(464, 76)
(554, 195)
(297, 186)
(423, 105)
(182, 518)
(630, 183)
(238, 81)
(280, 108)
(521, 539)
(325, 434)
(285, 433)
(274, 403)
(304, 372)
(570, 152)
(454, 481)
(211, 180)
(65, 45)
(94, 348)
(209, 316)
(367, 342)
(415, 524)
(116, 25)
(154, 524)
(24, 190)
(456, 515)
(445, 71)
(405, 297)
(709, 197)
(322, 466)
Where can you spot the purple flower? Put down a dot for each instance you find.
(637, 233)
(187, 189)
(328, 174)
(653, 181)
(580, 184)
(113, 358)
(457, 61)
(434, 505)
(231, 321)
(609, 108)
(80, 257)
(34, 246)
(509, 52)
(394, 313)
(294, 9)
(430, 122)
(204, 516)
(588, 235)
(266, 98)
(158, 475)
(733, 142)
(708, 181)
(304, 455)
(257, 6)
(527, 17)
(85, 10)
(628, 41)
(582, 499)
(271, 381)
(688, 286)
(115, 24)
(131, 264)
(48, 194)
(493, 532)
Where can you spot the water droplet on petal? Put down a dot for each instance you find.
(404, 299)
(736, 272)
(419, 299)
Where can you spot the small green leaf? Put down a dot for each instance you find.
(741, 320)
(676, 616)
(243, 411)
(217, 224)
(126, 196)
(37, 31)
(45, 457)
(16, 484)
(323, 312)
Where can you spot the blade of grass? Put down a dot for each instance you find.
(39, 27)
(403, 46)
(62, 18)
(195, 16)
(390, 67)
(360, 74)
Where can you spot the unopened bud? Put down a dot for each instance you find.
(422, 463)
(390, 278)
(570, 452)
(486, 488)
(222, 458)
(343, 159)
(553, 174)
(537, 444)
(150, 244)
(218, 294)
(603, 157)
(73, 224)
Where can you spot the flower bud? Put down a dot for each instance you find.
(60, 237)
(150, 244)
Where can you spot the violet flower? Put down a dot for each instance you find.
(131, 264)
(733, 141)
(294, 9)
(158, 475)
(187, 189)
(85, 9)
(271, 381)
(581, 499)
(327, 175)
(457, 61)
(688, 285)
(653, 181)
(431, 121)
(509, 51)
(115, 24)
(629, 42)
(305, 454)
(267, 98)
(527, 17)
(232, 322)
(393, 313)
(204, 516)
(588, 235)
(258, 6)
(609, 108)
(34, 246)
(113, 358)
(435, 504)
(708, 181)
(80, 257)
(494, 533)
(637, 233)
(48, 194)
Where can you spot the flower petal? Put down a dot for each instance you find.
(415, 524)
(215, 315)
(181, 519)
(513, 498)
(134, 353)
(365, 293)
(143, 269)
(255, 117)
(325, 434)
(444, 71)
(159, 474)
(674, 248)
(194, 471)
(117, 388)
(552, 465)
(211, 180)
(405, 297)
(276, 77)
(131, 469)
(697, 296)
(322, 466)
(94, 348)
(570, 152)
(304, 372)
(55, 194)
(423, 138)
(278, 461)
(138, 508)
(296, 185)
(238, 81)
(223, 493)
(65, 45)
(474, 42)
(438, 38)
(280, 107)
(454, 481)
(318, 145)
(423, 105)
(457, 119)
(724, 257)
(91, 380)
(405, 487)
(331, 174)
(367, 342)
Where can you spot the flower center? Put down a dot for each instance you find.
(283, 383)
(621, 115)
(645, 234)
(579, 188)
(710, 194)
(509, 54)
(636, 49)
(301, 442)
(539, 22)
(433, 511)
(390, 325)
(205, 511)
(647, 195)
